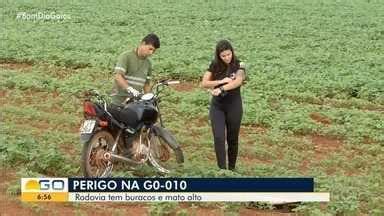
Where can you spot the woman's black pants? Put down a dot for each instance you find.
(226, 119)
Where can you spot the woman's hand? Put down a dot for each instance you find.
(216, 92)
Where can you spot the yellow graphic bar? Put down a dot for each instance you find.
(44, 196)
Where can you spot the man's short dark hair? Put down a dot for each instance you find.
(152, 39)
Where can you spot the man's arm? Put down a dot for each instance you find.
(120, 80)
(147, 86)
(120, 70)
(148, 83)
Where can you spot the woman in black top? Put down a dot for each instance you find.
(224, 77)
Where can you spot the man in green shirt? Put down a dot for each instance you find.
(133, 70)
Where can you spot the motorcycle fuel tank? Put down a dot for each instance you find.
(138, 112)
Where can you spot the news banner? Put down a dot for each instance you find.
(275, 190)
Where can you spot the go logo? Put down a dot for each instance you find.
(45, 184)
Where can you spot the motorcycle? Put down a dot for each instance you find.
(133, 134)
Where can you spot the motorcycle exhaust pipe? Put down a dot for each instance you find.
(119, 158)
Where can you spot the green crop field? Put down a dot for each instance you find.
(313, 104)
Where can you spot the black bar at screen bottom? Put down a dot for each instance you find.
(190, 184)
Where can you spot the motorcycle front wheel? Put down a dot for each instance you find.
(165, 154)
(93, 162)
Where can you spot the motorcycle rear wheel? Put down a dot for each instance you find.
(93, 163)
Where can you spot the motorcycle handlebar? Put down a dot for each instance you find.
(165, 82)
(154, 89)
(173, 82)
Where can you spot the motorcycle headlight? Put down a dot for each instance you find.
(147, 97)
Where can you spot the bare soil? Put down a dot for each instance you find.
(16, 66)
(185, 86)
(319, 118)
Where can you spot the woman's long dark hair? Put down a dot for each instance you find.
(218, 65)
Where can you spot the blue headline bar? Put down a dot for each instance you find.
(190, 184)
